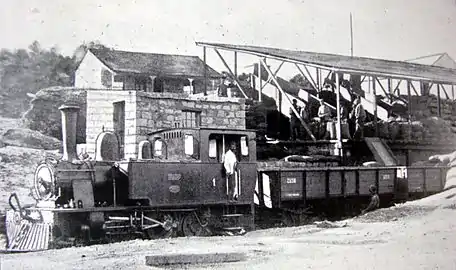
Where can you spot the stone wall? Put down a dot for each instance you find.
(148, 112)
(100, 109)
(165, 110)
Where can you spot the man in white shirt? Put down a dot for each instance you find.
(230, 165)
(324, 115)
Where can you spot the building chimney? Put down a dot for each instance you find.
(69, 120)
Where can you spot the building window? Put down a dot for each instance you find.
(192, 119)
(106, 78)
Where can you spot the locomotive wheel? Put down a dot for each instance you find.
(166, 231)
(193, 225)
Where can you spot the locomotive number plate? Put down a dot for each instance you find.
(174, 189)
(174, 176)
(291, 180)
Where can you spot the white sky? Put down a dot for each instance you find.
(390, 29)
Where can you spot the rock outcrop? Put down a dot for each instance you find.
(23, 137)
(44, 115)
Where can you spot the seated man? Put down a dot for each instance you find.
(374, 202)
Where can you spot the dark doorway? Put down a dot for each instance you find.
(158, 85)
(119, 125)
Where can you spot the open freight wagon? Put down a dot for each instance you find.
(295, 194)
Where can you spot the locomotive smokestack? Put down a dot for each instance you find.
(69, 118)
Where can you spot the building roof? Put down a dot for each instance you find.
(153, 64)
(361, 65)
(438, 59)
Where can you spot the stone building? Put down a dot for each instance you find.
(134, 114)
(149, 72)
(124, 97)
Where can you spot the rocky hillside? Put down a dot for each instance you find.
(45, 117)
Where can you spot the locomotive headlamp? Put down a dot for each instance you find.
(44, 182)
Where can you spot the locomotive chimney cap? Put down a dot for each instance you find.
(69, 107)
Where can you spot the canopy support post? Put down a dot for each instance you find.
(260, 78)
(339, 124)
(389, 90)
(374, 92)
(409, 106)
(439, 109)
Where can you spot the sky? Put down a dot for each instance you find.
(389, 29)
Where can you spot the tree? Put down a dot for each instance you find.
(28, 70)
(301, 81)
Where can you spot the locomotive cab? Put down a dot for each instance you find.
(186, 166)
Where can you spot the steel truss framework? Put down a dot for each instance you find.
(388, 83)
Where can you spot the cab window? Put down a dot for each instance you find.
(244, 146)
(159, 148)
(212, 148)
(189, 144)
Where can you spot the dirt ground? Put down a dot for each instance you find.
(414, 235)
(409, 237)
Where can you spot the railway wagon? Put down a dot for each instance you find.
(293, 193)
(177, 186)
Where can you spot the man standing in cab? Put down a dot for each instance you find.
(230, 165)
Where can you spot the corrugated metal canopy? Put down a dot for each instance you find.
(362, 65)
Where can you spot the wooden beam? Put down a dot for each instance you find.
(439, 109)
(381, 86)
(445, 92)
(275, 73)
(374, 90)
(310, 79)
(319, 86)
(310, 76)
(397, 86)
(327, 66)
(414, 89)
(261, 80)
(205, 71)
(452, 91)
(235, 64)
(339, 123)
(409, 106)
(390, 82)
(292, 107)
(207, 258)
(231, 72)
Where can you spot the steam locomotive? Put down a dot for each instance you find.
(177, 186)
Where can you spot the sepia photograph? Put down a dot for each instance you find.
(228, 134)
